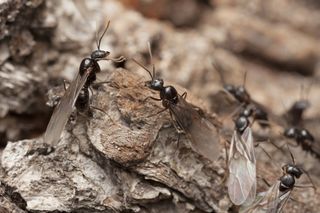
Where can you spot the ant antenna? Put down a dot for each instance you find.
(302, 88)
(275, 164)
(96, 35)
(151, 60)
(309, 89)
(310, 179)
(218, 68)
(145, 68)
(292, 158)
(104, 32)
(285, 108)
(244, 79)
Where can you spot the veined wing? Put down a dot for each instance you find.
(283, 199)
(268, 202)
(63, 110)
(202, 133)
(242, 168)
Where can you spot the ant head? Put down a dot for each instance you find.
(304, 134)
(287, 181)
(155, 84)
(301, 105)
(241, 123)
(290, 132)
(241, 94)
(292, 170)
(230, 88)
(99, 54)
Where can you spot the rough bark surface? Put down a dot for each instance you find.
(126, 159)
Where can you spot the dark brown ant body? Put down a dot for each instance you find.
(82, 102)
(295, 113)
(187, 118)
(240, 93)
(242, 182)
(275, 199)
(303, 138)
(243, 97)
(287, 180)
(168, 94)
(77, 93)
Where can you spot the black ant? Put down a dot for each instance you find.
(242, 164)
(294, 116)
(303, 138)
(88, 69)
(241, 94)
(275, 199)
(187, 118)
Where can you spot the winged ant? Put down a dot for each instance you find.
(187, 118)
(276, 197)
(88, 69)
(242, 164)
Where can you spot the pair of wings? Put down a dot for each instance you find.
(242, 181)
(63, 110)
(271, 201)
(202, 133)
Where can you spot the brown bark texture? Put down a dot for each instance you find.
(124, 156)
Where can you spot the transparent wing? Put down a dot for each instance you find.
(282, 201)
(242, 169)
(267, 202)
(63, 110)
(202, 133)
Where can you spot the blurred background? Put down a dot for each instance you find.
(275, 42)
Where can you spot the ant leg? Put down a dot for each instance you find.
(310, 179)
(157, 113)
(117, 60)
(179, 131)
(233, 114)
(257, 143)
(291, 144)
(184, 95)
(305, 186)
(298, 201)
(253, 120)
(153, 98)
(110, 83)
(101, 110)
(64, 85)
(275, 164)
(265, 181)
(91, 90)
